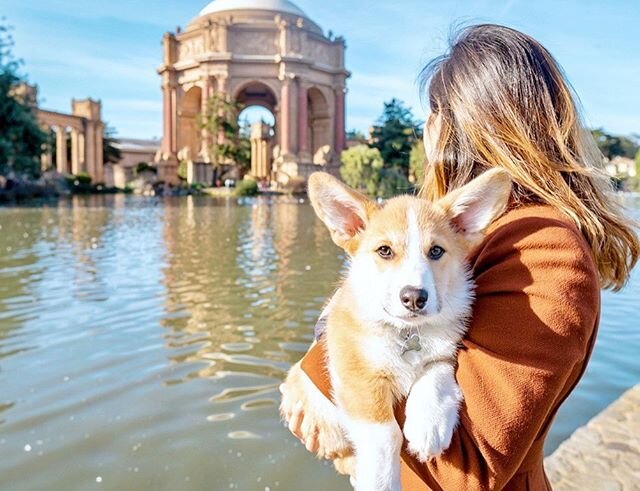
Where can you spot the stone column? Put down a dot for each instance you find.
(168, 164)
(289, 104)
(82, 152)
(75, 151)
(339, 121)
(173, 114)
(90, 145)
(285, 124)
(61, 149)
(266, 159)
(254, 158)
(303, 116)
(168, 120)
(263, 162)
(99, 154)
(260, 151)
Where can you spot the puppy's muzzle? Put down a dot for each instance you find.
(413, 299)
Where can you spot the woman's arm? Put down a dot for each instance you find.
(532, 330)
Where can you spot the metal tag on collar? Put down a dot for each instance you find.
(411, 342)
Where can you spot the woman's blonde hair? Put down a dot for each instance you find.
(502, 101)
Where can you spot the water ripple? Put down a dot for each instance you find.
(140, 337)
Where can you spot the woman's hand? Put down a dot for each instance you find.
(294, 418)
(311, 417)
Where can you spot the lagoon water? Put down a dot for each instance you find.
(142, 341)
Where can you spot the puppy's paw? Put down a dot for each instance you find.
(432, 417)
(427, 438)
(345, 466)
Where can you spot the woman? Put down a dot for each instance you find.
(499, 99)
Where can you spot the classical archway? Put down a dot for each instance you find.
(77, 143)
(257, 124)
(257, 93)
(189, 134)
(267, 53)
(319, 123)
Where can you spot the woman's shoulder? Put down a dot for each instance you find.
(534, 269)
(536, 221)
(541, 242)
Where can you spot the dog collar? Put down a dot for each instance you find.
(410, 337)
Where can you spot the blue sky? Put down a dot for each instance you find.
(110, 50)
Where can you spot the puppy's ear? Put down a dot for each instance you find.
(344, 211)
(473, 207)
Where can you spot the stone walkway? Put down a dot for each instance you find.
(604, 455)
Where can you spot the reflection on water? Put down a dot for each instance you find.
(142, 342)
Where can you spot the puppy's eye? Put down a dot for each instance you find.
(385, 252)
(436, 252)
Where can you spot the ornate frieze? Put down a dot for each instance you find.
(189, 49)
(247, 42)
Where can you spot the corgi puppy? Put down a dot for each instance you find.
(395, 324)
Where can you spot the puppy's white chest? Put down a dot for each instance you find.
(399, 354)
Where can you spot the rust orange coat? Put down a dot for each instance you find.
(533, 328)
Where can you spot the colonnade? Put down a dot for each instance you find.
(85, 130)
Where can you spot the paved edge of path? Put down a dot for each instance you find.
(604, 454)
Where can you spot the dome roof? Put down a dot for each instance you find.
(273, 5)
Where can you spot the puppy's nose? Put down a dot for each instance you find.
(414, 299)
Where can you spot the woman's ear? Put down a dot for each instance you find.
(473, 207)
(344, 211)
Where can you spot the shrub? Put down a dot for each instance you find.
(247, 187)
(144, 167)
(83, 178)
(417, 163)
(182, 170)
(363, 168)
(79, 183)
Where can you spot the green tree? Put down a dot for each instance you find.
(612, 145)
(243, 153)
(417, 161)
(394, 134)
(633, 183)
(356, 135)
(22, 141)
(110, 152)
(225, 143)
(393, 183)
(363, 168)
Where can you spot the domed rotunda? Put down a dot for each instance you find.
(266, 53)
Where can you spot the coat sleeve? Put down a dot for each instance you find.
(533, 323)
